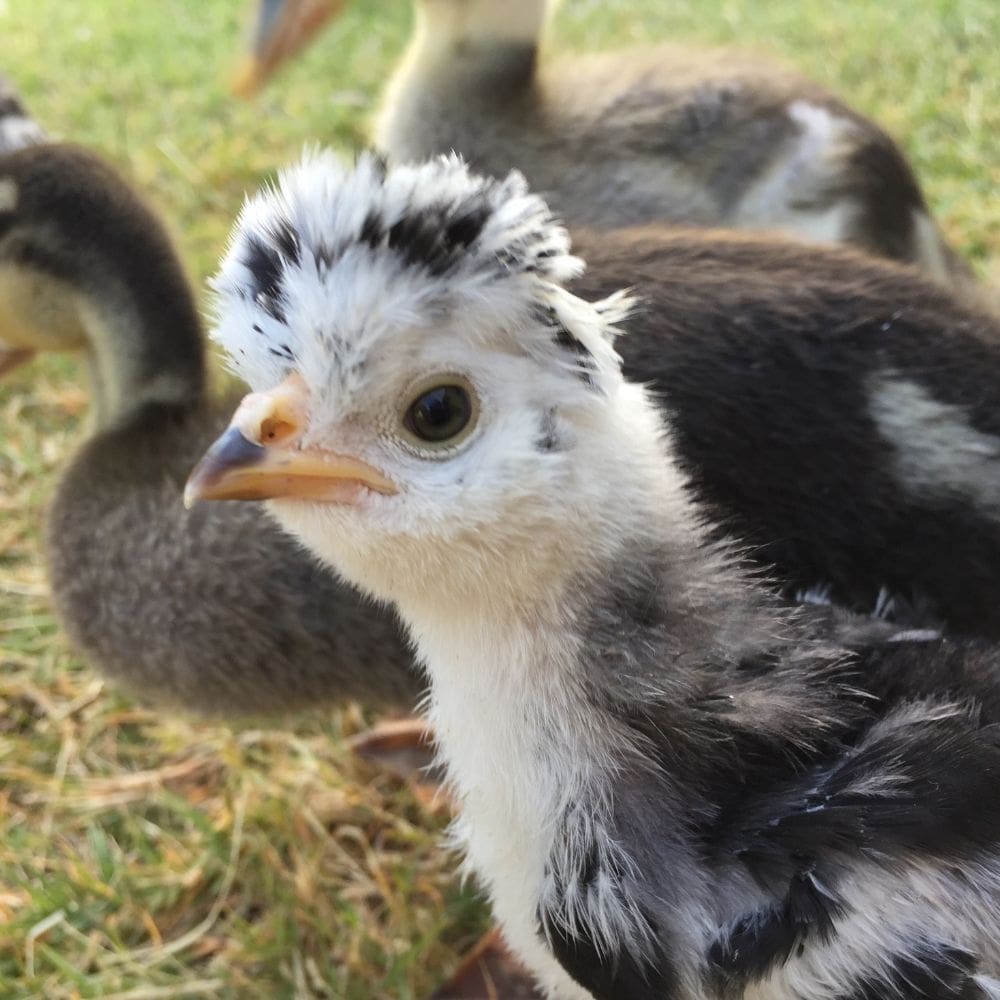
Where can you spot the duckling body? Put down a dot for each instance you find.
(625, 138)
(215, 612)
(671, 784)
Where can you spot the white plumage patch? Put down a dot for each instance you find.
(17, 128)
(18, 131)
(801, 175)
(937, 451)
(320, 263)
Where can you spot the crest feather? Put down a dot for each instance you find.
(435, 232)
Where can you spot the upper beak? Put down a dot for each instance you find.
(257, 457)
(282, 28)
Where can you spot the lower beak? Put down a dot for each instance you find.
(282, 28)
(235, 468)
(10, 358)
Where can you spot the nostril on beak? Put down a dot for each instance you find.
(274, 430)
(275, 417)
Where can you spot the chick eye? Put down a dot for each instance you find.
(440, 414)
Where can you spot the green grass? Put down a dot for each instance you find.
(144, 856)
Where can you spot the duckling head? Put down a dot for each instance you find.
(86, 264)
(38, 308)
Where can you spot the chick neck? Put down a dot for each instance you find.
(509, 623)
(543, 654)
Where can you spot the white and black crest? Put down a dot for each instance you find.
(331, 253)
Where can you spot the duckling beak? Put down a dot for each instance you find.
(258, 458)
(281, 29)
(11, 357)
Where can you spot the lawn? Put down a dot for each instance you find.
(147, 856)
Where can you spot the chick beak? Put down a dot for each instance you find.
(282, 28)
(11, 357)
(258, 457)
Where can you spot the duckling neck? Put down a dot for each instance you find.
(144, 348)
(448, 31)
(465, 58)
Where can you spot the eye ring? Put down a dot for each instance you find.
(441, 412)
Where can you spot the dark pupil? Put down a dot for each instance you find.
(440, 414)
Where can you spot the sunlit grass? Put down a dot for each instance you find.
(144, 856)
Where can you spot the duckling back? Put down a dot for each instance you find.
(661, 135)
